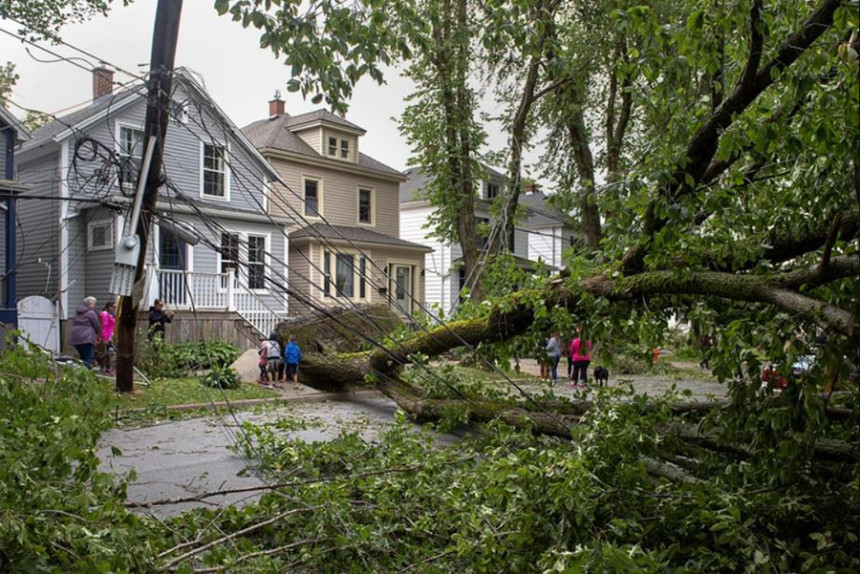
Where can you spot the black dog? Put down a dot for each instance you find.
(601, 375)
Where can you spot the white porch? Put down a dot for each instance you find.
(189, 290)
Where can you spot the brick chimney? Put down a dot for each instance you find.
(102, 81)
(276, 105)
(529, 188)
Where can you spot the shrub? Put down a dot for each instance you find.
(222, 377)
(161, 359)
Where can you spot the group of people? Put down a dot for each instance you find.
(94, 334)
(275, 365)
(577, 350)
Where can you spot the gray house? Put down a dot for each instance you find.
(226, 255)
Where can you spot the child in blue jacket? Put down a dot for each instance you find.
(292, 358)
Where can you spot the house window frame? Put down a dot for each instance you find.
(320, 197)
(496, 186)
(361, 291)
(179, 111)
(227, 172)
(220, 259)
(359, 189)
(332, 150)
(110, 224)
(120, 125)
(266, 237)
(345, 149)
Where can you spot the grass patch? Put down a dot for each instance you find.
(155, 400)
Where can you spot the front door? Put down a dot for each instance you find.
(403, 288)
(172, 262)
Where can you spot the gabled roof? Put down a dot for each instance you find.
(71, 122)
(542, 213)
(352, 234)
(276, 133)
(322, 116)
(68, 125)
(10, 120)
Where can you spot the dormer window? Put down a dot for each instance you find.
(492, 190)
(344, 149)
(332, 146)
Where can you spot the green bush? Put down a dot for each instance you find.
(222, 377)
(59, 513)
(160, 359)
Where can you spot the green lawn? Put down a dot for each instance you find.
(150, 406)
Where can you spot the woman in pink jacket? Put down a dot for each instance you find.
(108, 321)
(580, 352)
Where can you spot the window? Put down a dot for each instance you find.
(344, 149)
(481, 225)
(214, 171)
(131, 154)
(230, 253)
(362, 277)
(492, 190)
(512, 243)
(344, 275)
(365, 206)
(100, 235)
(332, 146)
(327, 272)
(312, 197)
(256, 262)
(171, 251)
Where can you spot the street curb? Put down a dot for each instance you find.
(316, 397)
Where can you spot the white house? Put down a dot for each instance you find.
(543, 234)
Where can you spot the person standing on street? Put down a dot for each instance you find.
(580, 352)
(86, 331)
(292, 358)
(553, 351)
(158, 318)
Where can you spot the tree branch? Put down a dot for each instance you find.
(703, 145)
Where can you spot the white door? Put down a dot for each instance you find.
(39, 322)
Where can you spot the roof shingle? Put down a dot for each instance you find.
(352, 234)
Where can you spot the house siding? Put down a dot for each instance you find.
(205, 259)
(313, 137)
(339, 195)
(182, 156)
(38, 230)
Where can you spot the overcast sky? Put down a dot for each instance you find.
(239, 75)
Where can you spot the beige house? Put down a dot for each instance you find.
(346, 242)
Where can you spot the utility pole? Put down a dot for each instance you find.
(164, 39)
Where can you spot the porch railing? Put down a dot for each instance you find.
(215, 292)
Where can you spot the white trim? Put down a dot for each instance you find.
(111, 225)
(286, 267)
(63, 282)
(320, 196)
(227, 171)
(372, 190)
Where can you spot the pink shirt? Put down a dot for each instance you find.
(576, 346)
(108, 321)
